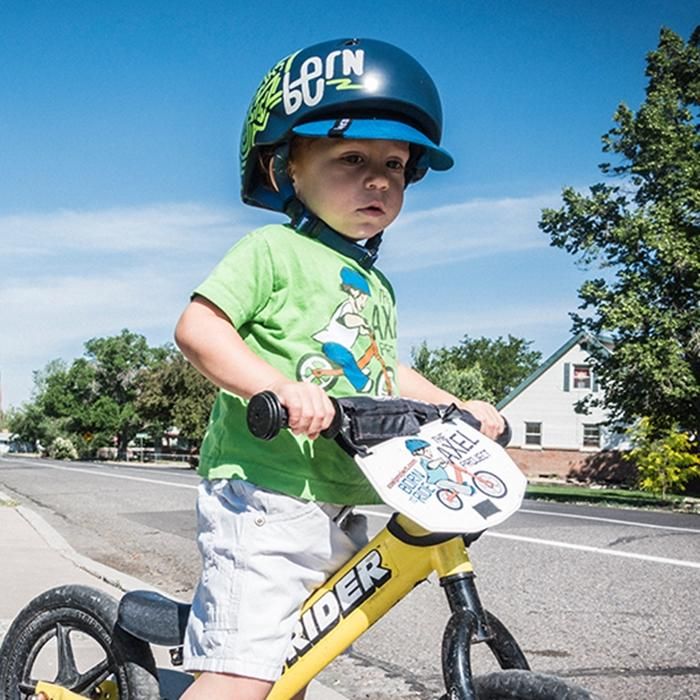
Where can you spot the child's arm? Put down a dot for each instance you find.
(209, 341)
(415, 386)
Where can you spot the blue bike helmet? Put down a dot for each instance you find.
(415, 444)
(351, 278)
(347, 88)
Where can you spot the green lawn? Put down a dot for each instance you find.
(604, 496)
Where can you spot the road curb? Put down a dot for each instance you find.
(118, 579)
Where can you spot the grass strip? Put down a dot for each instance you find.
(613, 496)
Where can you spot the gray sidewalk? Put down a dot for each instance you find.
(35, 557)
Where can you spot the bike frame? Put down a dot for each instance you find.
(367, 587)
(364, 589)
(365, 358)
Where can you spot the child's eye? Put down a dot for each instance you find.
(395, 164)
(352, 158)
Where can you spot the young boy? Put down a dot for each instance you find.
(333, 136)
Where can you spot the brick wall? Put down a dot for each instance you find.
(607, 466)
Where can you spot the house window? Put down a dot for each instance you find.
(582, 377)
(591, 435)
(533, 433)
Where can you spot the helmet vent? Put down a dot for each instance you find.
(351, 42)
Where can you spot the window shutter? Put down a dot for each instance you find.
(567, 376)
(595, 381)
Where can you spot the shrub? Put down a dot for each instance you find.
(62, 448)
(666, 459)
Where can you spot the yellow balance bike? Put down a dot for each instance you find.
(409, 451)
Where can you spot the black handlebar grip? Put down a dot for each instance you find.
(266, 416)
(506, 434)
(336, 424)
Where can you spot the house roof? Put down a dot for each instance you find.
(603, 343)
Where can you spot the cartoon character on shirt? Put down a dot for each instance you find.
(345, 326)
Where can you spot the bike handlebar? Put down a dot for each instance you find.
(266, 417)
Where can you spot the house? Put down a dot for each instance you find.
(550, 437)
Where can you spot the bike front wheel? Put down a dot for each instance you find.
(516, 684)
(69, 636)
(489, 484)
(385, 383)
(314, 368)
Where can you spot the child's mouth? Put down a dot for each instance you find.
(372, 210)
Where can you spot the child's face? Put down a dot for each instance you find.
(355, 186)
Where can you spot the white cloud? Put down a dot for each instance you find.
(68, 276)
(465, 230)
(164, 227)
(513, 317)
(52, 317)
(42, 316)
(547, 325)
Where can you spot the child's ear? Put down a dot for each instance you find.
(271, 175)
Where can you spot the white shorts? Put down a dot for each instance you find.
(263, 553)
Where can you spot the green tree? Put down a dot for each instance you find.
(46, 417)
(28, 423)
(174, 393)
(119, 364)
(478, 368)
(644, 233)
(666, 459)
(93, 400)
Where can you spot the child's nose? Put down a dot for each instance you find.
(377, 179)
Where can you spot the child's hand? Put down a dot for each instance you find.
(492, 424)
(309, 408)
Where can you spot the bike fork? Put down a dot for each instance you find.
(467, 623)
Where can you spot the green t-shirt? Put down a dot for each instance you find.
(315, 315)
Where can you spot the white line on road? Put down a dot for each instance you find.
(567, 545)
(519, 538)
(99, 472)
(615, 521)
(576, 516)
(596, 550)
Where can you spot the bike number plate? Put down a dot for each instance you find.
(447, 478)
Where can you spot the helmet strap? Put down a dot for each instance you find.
(305, 221)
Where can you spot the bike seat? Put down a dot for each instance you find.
(153, 617)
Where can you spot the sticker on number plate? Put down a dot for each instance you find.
(447, 478)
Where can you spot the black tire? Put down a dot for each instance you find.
(526, 685)
(56, 630)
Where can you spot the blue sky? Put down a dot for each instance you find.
(119, 126)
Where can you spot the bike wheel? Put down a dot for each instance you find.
(449, 499)
(68, 636)
(489, 484)
(525, 685)
(312, 369)
(384, 387)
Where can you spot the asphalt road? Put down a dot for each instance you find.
(606, 597)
